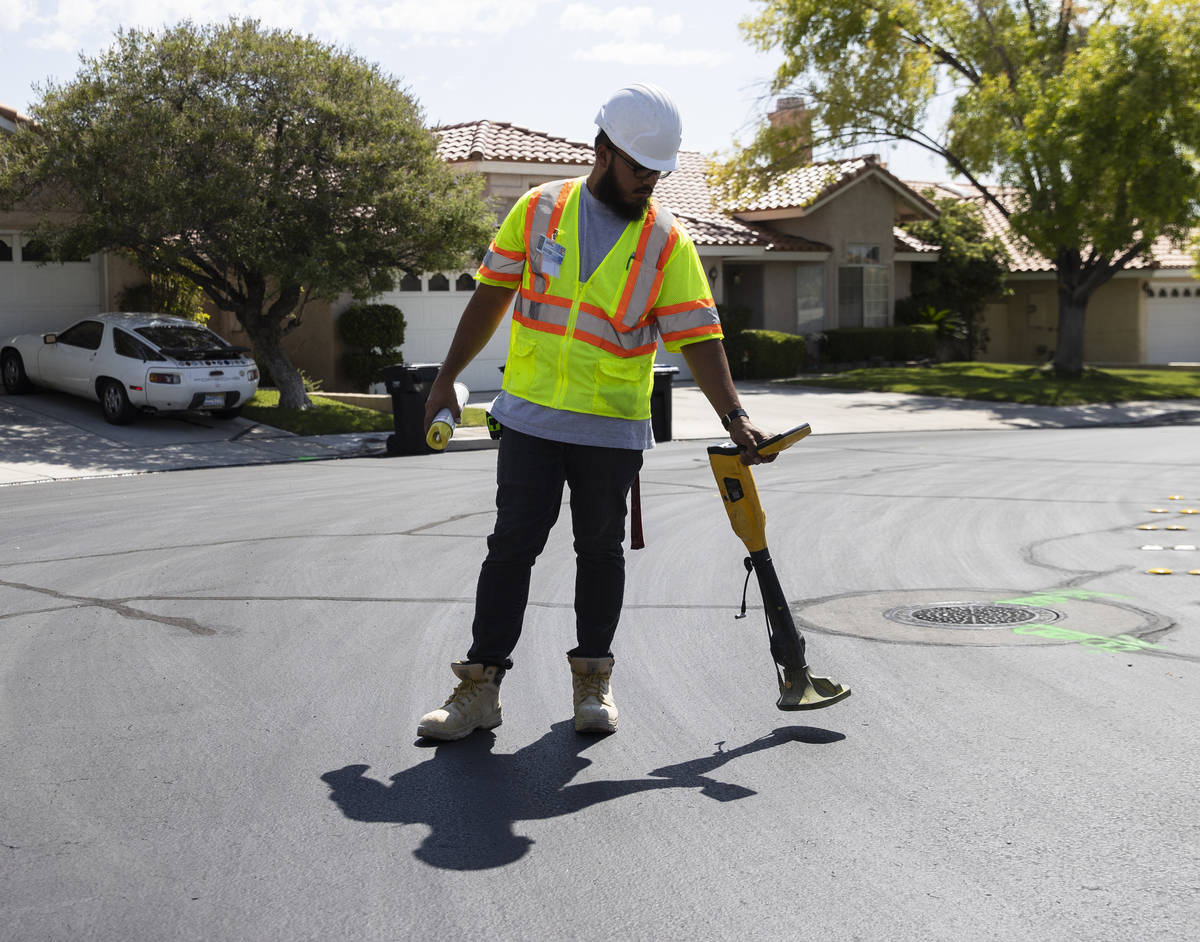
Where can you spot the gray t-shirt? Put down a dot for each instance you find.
(599, 230)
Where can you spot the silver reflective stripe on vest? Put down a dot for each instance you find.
(636, 342)
(543, 212)
(641, 298)
(543, 313)
(501, 264)
(683, 321)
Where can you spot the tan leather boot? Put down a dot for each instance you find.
(475, 704)
(595, 711)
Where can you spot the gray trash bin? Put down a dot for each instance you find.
(409, 385)
(660, 402)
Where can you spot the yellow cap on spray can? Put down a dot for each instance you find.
(441, 430)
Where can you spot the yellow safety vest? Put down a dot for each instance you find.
(589, 346)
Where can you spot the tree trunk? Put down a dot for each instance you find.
(268, 351)
(1068, 353)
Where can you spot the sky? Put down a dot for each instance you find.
(543, 65)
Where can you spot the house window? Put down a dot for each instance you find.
(439, 282)
(34, 250)
(466, 282)
(410, 282)
(6, 248)
(862, 287)
(810, 298)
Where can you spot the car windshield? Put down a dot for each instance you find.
(179, 340)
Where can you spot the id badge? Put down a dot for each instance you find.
(552, 254)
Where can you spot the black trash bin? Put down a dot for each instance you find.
(660, 402)
(409, 385)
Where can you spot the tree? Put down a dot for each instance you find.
(970, 268)
(267, 168)
(1084, 116)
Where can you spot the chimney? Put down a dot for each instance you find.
(791, 113)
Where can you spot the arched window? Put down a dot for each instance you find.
(410, 282)
(465, 282)
(439, 282)
(33, 250)
(6, 248)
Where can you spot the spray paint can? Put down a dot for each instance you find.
(442, 429)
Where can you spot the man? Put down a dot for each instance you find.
(601, 272)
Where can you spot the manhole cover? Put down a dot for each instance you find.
(970, 615)
(983, 617)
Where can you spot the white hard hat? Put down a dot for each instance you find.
(643, 121)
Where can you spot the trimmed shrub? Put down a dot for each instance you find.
(770, 354)
(373, 334)
(891, 344)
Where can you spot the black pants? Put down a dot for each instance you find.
(530, 474)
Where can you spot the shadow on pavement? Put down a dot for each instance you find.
(471, 797)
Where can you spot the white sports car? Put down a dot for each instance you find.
(133, 363)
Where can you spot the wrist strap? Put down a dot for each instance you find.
(728, 417)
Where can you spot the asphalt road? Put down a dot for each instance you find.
(210, 681)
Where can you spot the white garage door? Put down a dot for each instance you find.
(36, 297)
(432, 306)
(1173, 329)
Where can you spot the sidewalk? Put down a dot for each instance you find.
(774, 407)
(54, 437)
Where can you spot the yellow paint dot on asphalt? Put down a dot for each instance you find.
(1160, 572)
(1150, 526)
(1176, 526)
(1175, 497)
(1160, 510)
(1189, 510)
(1194, 572)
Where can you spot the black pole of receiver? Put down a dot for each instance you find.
(787, 644)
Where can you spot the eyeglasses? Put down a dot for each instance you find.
(642, 173)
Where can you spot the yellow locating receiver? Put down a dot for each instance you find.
(738, 491)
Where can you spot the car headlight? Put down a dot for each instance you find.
(169, 379)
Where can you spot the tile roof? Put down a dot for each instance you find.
(1163, 255)
(905, 242)
(12, 116)
(499, 140)
(685, 192)
(802, 186)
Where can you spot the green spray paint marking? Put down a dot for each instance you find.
(1059, 595)
(1121, 643)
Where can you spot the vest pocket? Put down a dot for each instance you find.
(522, 375)
(622, 389)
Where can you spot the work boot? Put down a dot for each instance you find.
(475, 704)
(595, 711)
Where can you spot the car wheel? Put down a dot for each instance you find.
(15, 379)
(227, 413)
(118, 410)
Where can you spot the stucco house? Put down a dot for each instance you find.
(38, 296)
(1149, 313)
(821, 250)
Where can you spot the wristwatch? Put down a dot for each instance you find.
(728, 417)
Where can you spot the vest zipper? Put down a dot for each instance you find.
(560, 389)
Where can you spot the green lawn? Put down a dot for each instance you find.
(327, 416)
(1006, 382)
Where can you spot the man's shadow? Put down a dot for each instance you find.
(471, 798)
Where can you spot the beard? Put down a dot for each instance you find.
(609, 193)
